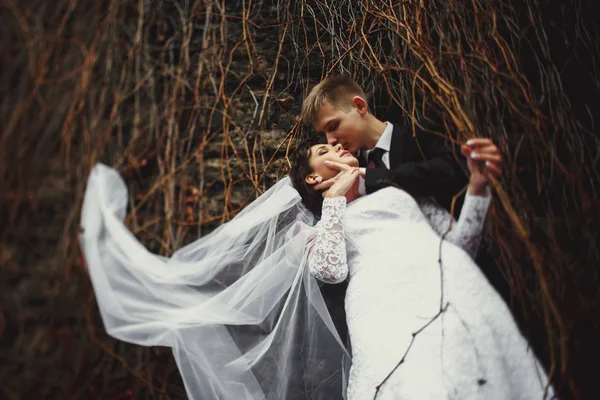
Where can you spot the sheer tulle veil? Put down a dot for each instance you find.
(238, 307)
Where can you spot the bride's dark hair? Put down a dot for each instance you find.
(311, 198)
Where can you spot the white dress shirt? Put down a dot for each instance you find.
(384, 143)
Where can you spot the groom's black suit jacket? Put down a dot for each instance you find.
(423, 166)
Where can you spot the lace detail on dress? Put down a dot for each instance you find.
(466, 232)
(327, 259)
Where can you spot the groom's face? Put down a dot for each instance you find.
(342, 124)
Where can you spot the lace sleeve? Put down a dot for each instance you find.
(327, 258)
(466, 232)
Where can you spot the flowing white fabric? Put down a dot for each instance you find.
(244, 317)
(472, 350)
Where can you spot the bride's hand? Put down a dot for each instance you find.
(340, 184)
(484, 160)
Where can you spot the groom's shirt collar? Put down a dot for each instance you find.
(385, 140)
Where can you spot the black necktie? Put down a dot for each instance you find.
(374, 159)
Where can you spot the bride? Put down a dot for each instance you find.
(243, 314)
(424, 322)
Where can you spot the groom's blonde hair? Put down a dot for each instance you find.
(337, 90)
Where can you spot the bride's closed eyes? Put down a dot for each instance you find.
(322, 150)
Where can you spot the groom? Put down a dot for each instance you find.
(423, 165)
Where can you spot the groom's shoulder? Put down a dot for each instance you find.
(418, 126)
(426, 130)
(409, 132)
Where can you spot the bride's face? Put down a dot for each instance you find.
(320, 153)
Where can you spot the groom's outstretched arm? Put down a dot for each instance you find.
(429, 168)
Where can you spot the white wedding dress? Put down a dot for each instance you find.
(388, 245)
